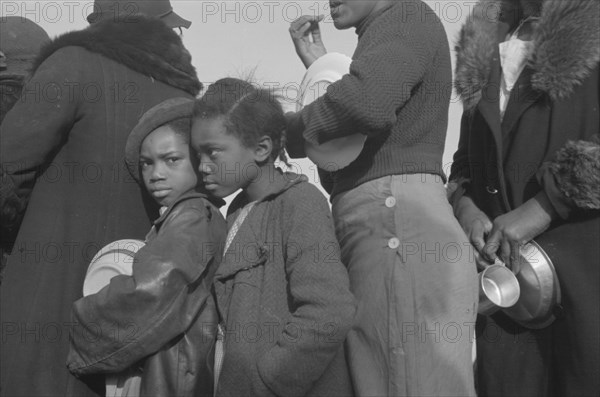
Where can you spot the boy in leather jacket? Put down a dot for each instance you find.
(164, 312)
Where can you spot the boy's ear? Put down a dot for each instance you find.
(263, 150)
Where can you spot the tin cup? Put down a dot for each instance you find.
(498, 288)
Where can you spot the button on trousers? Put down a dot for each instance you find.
(413, 273)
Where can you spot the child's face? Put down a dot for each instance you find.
(167, 167)
(226, 165)
(350, 13)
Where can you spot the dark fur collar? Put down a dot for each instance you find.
(567, 48)
(147, 46)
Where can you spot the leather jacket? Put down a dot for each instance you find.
(162, 318)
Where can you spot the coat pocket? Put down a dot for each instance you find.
(239, 263)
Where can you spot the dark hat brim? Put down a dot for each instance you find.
(171, 19)
(161, 114)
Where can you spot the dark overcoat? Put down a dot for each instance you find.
(63, 151)
(547, 140)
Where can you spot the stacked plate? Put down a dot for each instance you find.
(339, 152)
(115, 259)
(112, 260)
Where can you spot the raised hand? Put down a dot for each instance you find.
(306, 36)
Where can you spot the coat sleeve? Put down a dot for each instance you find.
(323, 304)
(571, 179)
(37, 126)
(134, 316)
(460, 172)
(366, 100)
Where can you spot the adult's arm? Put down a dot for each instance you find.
(366, 100)
(37, 126)
(474, 222)
(460, 172)
(571, 180)
(570, 185)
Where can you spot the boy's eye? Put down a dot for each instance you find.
(209, 152)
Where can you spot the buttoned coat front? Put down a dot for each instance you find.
(547, 141)
(284, 299)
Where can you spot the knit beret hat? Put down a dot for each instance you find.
(128, 9)
(20, 42)
(161, 114)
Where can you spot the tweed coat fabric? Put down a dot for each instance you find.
(284, 299)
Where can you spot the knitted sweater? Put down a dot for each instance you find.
(397, 93)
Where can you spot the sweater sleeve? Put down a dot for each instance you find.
(134, 316)
(367, 99)
(36, 127)
(323, 305)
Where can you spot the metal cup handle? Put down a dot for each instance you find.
(510, 291)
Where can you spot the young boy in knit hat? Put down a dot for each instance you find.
(164, 311)
(407, 256)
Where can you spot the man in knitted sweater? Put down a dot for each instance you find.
(409, 261)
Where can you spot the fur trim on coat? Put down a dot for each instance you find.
(576, 168)
(148, 47)
(567, 47)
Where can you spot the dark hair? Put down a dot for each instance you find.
(248, 112)
(181, 126)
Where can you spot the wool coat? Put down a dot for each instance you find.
(284, 299)
(547, 141)
(63, 150)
